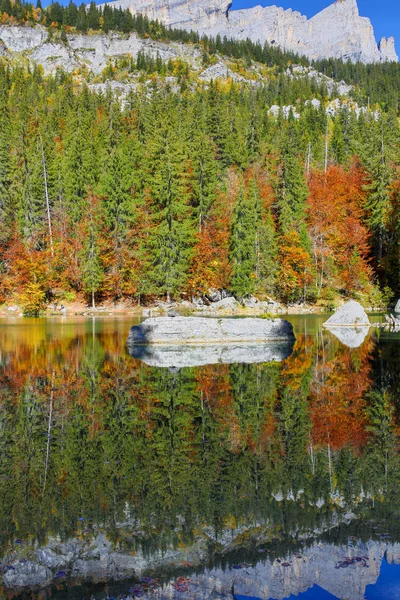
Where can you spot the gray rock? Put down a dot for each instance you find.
(177, 357)
(20, 39)
(338, 31)
(199, 330)
(226, 304)
(27, 574)
(397, 307)
(214, 295)
(250, 302)
(351, 314)
(218, 71)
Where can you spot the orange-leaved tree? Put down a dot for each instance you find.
(340, 240)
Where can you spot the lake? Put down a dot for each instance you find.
(267, 480)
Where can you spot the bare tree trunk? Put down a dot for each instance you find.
(308, 160)
(330, 467)
(46, 190)
(93, 302)
(326, 147)
(46, 466)
(312, 458)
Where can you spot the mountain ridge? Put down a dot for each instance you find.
(337, 31)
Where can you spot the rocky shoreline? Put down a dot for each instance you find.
(215, 303)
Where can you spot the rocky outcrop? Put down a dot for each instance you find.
(200, 330)
(387, 49)
(90, 52)
(397, 307)
(337, 31)
(177, 357)
(351, 314)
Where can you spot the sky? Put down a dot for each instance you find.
(384, 14)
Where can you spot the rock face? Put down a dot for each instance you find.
(351, 314)
(337, 31)
(199, 330)
(397, 307)
(178, 357)
(92, 52)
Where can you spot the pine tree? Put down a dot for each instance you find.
(204, 171)
(243, 243)
(266, 255)
(170, 185)
(91, 266)
(377, 154)
(121, 215)
(292, 190)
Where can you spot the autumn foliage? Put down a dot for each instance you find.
(340, 240)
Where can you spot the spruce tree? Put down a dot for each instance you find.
(292, 190)
(91, 266)
(243, 243)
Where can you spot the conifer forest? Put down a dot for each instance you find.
(181, 188)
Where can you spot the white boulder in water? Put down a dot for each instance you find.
(199, 330)
(351, 314)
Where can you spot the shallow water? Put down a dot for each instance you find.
(287, 470)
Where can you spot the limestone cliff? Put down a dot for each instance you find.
(337, 31)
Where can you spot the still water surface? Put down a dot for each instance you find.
(281, 479)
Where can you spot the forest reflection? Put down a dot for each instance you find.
(89, 434)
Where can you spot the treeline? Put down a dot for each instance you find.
(174, 193)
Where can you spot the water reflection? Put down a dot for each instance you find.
(202, 469)
(349, 336)
(178, 357)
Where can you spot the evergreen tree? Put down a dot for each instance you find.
(266, 246)
(292, 190)
(169, 180)
(243, 243)
(91, 266)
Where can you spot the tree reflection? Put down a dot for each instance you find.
(89, 435)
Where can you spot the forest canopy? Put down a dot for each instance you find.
(179, 189)
(172, 193)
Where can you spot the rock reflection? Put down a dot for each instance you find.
(195, 356)
(352, 338)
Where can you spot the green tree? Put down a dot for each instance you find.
(243, 242)
(91, 266)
